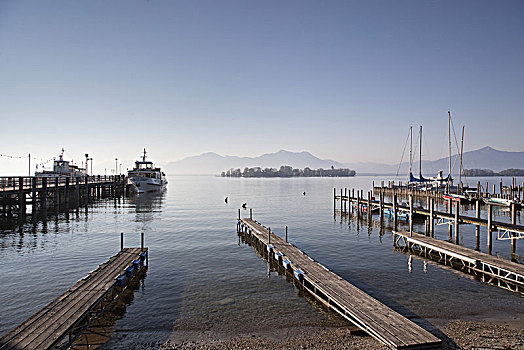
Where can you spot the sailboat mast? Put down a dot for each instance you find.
(420, 155)
(461, 150)
(410, 148)
(449, 140)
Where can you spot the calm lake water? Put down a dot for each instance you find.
(203, 280)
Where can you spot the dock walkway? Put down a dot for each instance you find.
(509, 275)
(373, 317)
(59, 321)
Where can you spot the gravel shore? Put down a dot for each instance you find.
(457, 334)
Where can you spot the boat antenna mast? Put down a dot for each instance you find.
(144, 156)
(410, 148)
(420, 155)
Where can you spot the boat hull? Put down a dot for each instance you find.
(146, 185)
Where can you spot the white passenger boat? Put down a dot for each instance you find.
(147, 178)
(62, 167)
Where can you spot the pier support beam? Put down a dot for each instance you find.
(395, 216)
(490, 225)
(513, 222)
(457, 208)
(411, 215)
(477, 227)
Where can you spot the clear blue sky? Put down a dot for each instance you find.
(341, 79)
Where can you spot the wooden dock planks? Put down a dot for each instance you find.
(48, 326)
(369, 314)
(476, 258)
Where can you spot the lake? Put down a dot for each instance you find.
(204, 282)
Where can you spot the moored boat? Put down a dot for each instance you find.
(62, 167)
(501, 202)
(147, 178)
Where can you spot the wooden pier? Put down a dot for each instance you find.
(42, 193)
(493, 270)
(59, 323)
(366, 206)
(367, 313)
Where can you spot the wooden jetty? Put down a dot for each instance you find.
(506, 231)
(493, 270)
(367, 313)
(59, 323)
(41, 193)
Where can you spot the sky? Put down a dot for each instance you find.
(343, 80)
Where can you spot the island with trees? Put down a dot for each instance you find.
(287, 171)
(488, 172)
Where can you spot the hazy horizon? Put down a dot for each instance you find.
(342, 80)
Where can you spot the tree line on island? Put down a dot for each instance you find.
(488, 172)
(287, 171)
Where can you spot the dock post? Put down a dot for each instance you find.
(358, 204)
(238, 214)
(490, 238)
(500, 188)
(334, 200)
(269, 235)
(346, 194)
(381, 198)
(21, 196)
(395, 216)
(33, 194)
(411, 215)
(369, 206)
(142, 241)
(121, 241)
(513, 222)
(286, 233)
(432, 217)
(341, 201)
(457, 206)
(450, 228)
(251, 213)
(477, 227)
(57, 194)
(428, 204)
(44, 194)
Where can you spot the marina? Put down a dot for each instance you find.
(59, 323)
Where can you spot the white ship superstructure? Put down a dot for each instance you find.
(146, 177)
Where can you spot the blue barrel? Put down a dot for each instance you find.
(269, 248)
(121, 280)
(129, 271)
(143, 256)
(136, 264)
(278, 256)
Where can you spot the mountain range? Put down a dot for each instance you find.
(212, 163)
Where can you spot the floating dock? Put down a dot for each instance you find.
(501, 272)
(59, 323)
(367, 313)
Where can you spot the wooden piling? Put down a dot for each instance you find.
(121, 241)
(457, 207)
(251, 213)
(286, 233)
(369, 206)
(142, 241)
(489, 236)
(395, 216)
(477, 227)
(410, 215)
(239, 214)
(513, 222)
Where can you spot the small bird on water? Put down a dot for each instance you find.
(304, 193)
(244, 205)
(225, 200)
